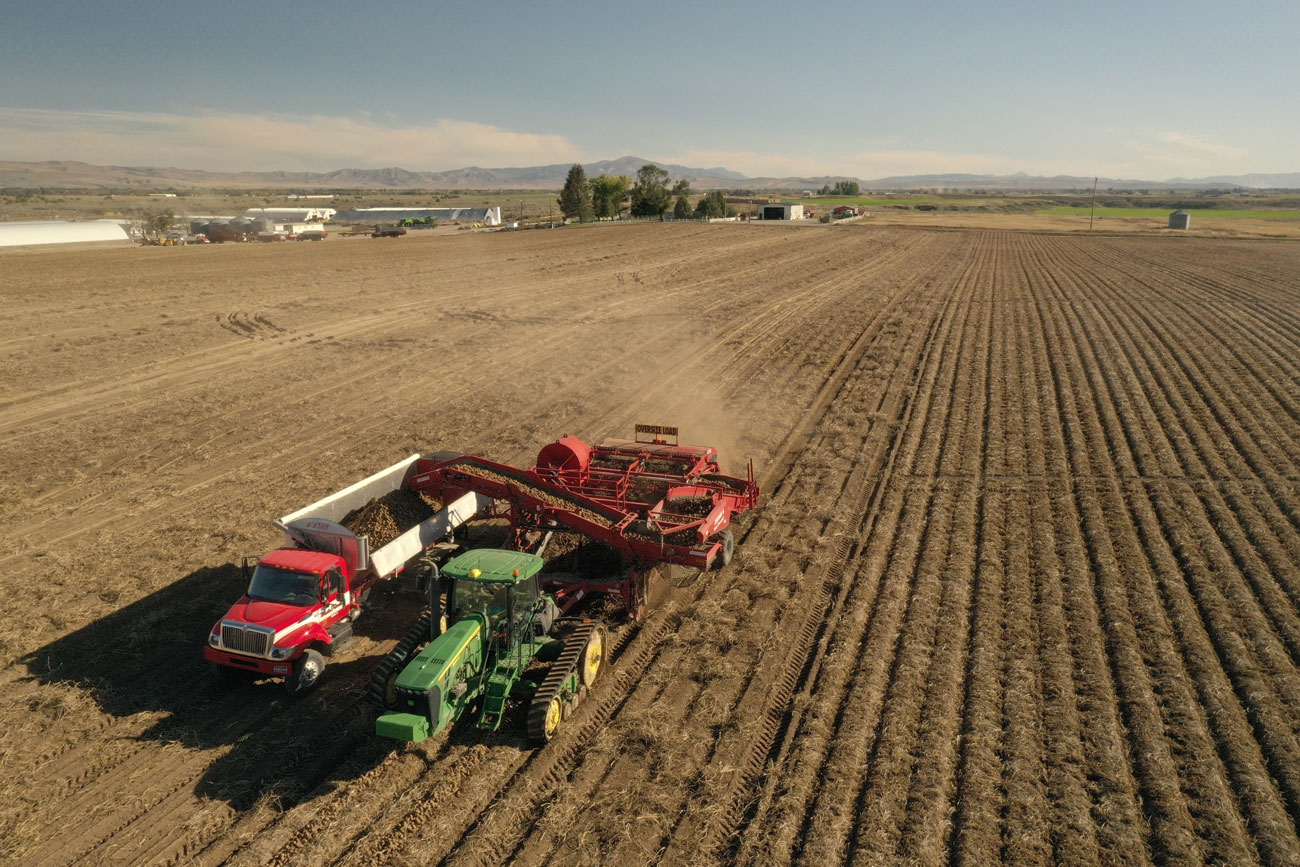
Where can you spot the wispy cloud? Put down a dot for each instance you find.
(1185, 153)
(880, 164)
(233, 142)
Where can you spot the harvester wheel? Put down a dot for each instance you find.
(544, 719)
(728, 549)
(593, 656)
(306, 672)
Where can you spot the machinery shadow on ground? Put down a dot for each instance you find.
(147, 658)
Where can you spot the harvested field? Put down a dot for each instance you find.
(1024, 586)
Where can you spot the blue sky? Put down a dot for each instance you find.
(1147, 90)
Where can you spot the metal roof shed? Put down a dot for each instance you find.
(60, 232)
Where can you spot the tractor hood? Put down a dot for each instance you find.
(434, 665)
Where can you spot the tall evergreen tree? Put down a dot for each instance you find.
(575, 198)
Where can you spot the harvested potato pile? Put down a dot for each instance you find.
(385, 518)
(693, 507)
(534, 491)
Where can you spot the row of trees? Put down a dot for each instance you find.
(650, 196)
(841, 188)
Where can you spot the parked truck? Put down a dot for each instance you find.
(302, 598)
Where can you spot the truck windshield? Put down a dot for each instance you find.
(279, 585)
(472, 596)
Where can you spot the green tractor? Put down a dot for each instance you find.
(498, 638)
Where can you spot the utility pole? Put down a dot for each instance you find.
(1093, 207)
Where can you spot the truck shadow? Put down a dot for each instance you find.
(146, 658)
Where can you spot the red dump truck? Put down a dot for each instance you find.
(302, 598)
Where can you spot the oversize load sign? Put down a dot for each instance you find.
(656, 430)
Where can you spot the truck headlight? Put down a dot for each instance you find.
(214, 639)
(281, 652)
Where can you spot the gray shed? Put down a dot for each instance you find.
(1180, 220)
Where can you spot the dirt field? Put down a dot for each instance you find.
(1023, 587)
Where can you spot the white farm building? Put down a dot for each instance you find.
(490, 216)
(782, 211)
(291, 215)
(61, 232)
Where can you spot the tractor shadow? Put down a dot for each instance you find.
(147, 658)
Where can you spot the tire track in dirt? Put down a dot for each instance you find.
(239, 420)
(802, 749)
(1164, 513)
(1153, 685)
(768, 508)
(1092, 592)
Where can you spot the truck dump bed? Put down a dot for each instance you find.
(318, 527)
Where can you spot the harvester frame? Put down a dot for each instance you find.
(630, 495)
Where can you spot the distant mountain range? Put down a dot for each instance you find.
(65, 175)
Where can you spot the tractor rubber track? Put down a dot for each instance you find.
(570, 655)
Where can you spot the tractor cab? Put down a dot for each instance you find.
(501, 587)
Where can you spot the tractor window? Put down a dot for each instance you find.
(523, 600)
(472, 596)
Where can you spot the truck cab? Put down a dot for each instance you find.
(298, 605)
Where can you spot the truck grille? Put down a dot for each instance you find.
(243, 640)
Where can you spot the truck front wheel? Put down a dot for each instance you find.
(306, 672)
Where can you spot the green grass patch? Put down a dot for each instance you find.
(1163, 213)
(884, 202)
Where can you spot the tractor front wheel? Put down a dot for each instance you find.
(306, 672)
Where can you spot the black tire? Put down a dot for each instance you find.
(380, 688)
(544, 717)
(306, 673)
(728, 549)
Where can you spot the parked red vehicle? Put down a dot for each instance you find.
(302, 599)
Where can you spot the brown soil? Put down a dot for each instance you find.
(1024, 586)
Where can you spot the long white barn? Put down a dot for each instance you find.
(60, 232)
(291, 215)
(491, 216)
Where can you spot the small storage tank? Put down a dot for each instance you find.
(1180, 220)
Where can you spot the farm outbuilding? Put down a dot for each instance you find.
(490, 216)
(60, 232)
(782, 211)
(1180, 220)
(291, 215)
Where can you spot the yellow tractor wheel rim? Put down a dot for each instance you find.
(592, 658)
(552, 717)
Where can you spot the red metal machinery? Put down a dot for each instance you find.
(651, 500)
